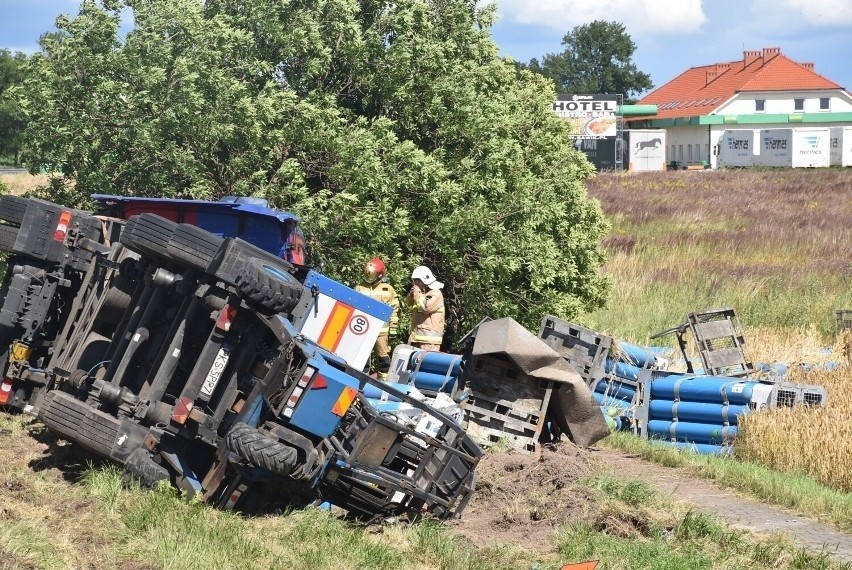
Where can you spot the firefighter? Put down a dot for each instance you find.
(426, 303)
(375, 285)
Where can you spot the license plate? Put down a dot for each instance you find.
(215, 373)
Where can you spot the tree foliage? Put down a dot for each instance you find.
(12, 69)
(390, 128)
(597, 59)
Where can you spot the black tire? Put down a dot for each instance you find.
(8, 235)
(151, 234)
(268, 287)
(116, 299)
(193, 246)
(93, 429)
(141, 467)
(12, 209)
(126, 236)
(261, 450)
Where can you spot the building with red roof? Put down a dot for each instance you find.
(766, 89)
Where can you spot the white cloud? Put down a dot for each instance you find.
(638, 16)
(798, 15)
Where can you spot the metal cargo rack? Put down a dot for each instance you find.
(718, 340)
(844, 320)
(504, 404)
(583, 348)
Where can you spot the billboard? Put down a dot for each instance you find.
(594, 126)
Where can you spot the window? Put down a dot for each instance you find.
(798, 104)
(689, 153)
(824, 104)
(760, 105)
(680, 153)
(673, 156)
(706, 152)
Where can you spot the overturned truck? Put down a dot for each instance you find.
(212, 364)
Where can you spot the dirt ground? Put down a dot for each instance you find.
(521, 499)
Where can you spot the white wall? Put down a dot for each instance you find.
(684, 138)
(782, 103)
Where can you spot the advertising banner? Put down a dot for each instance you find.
(594, 126)
(590, 116)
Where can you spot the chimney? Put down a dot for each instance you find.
(718, 70)
(809, 66)
(750, 57)
(769, 53)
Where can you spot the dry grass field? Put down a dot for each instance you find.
(20, 183)
(777, 247)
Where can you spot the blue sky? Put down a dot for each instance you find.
(671, 35)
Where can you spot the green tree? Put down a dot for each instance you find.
(12, 69)
(597, 59)
(390, 128)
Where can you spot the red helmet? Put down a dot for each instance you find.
(374, 270)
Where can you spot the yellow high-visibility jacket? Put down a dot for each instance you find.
(384, 292)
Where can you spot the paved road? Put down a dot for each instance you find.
(740, 512)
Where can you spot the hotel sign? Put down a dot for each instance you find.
(590, 116)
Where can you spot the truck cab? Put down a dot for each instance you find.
(250, 219)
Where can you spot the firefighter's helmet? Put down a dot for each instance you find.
(374, 270)
(425, 275)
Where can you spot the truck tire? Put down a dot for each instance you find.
(126, 236)
(193, 246)
(141, 467)
(151, 234)
(116, 300)
(8, 235)
(269, 288)
(12, 209)
(93, 429)
(261, 450)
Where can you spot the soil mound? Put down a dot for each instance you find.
(521, 498)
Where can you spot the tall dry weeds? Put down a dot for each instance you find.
(776, 245)
(19, 184)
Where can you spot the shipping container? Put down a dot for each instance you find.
(841, 146)
(646, 149)
(736, 148)
(796, 148)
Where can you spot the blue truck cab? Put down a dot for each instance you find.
(250, 219)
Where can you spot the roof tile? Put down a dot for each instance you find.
(700, 90)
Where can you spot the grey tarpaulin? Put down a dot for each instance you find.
(572, 404)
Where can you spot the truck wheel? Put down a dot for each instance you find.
(193, 246)
(141, 467)
(269, 288)
(8, 235)
(12, 209)
(261, 450)
(151, 234)
(116, 299)
(126, 236)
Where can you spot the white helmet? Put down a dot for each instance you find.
(425, 275)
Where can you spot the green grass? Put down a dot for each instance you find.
(95, 522)
(799, 492)
(639, 528)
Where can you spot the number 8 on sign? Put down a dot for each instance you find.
(359, 325)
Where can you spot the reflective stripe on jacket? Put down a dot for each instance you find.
(384, 292)
(427, 317)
